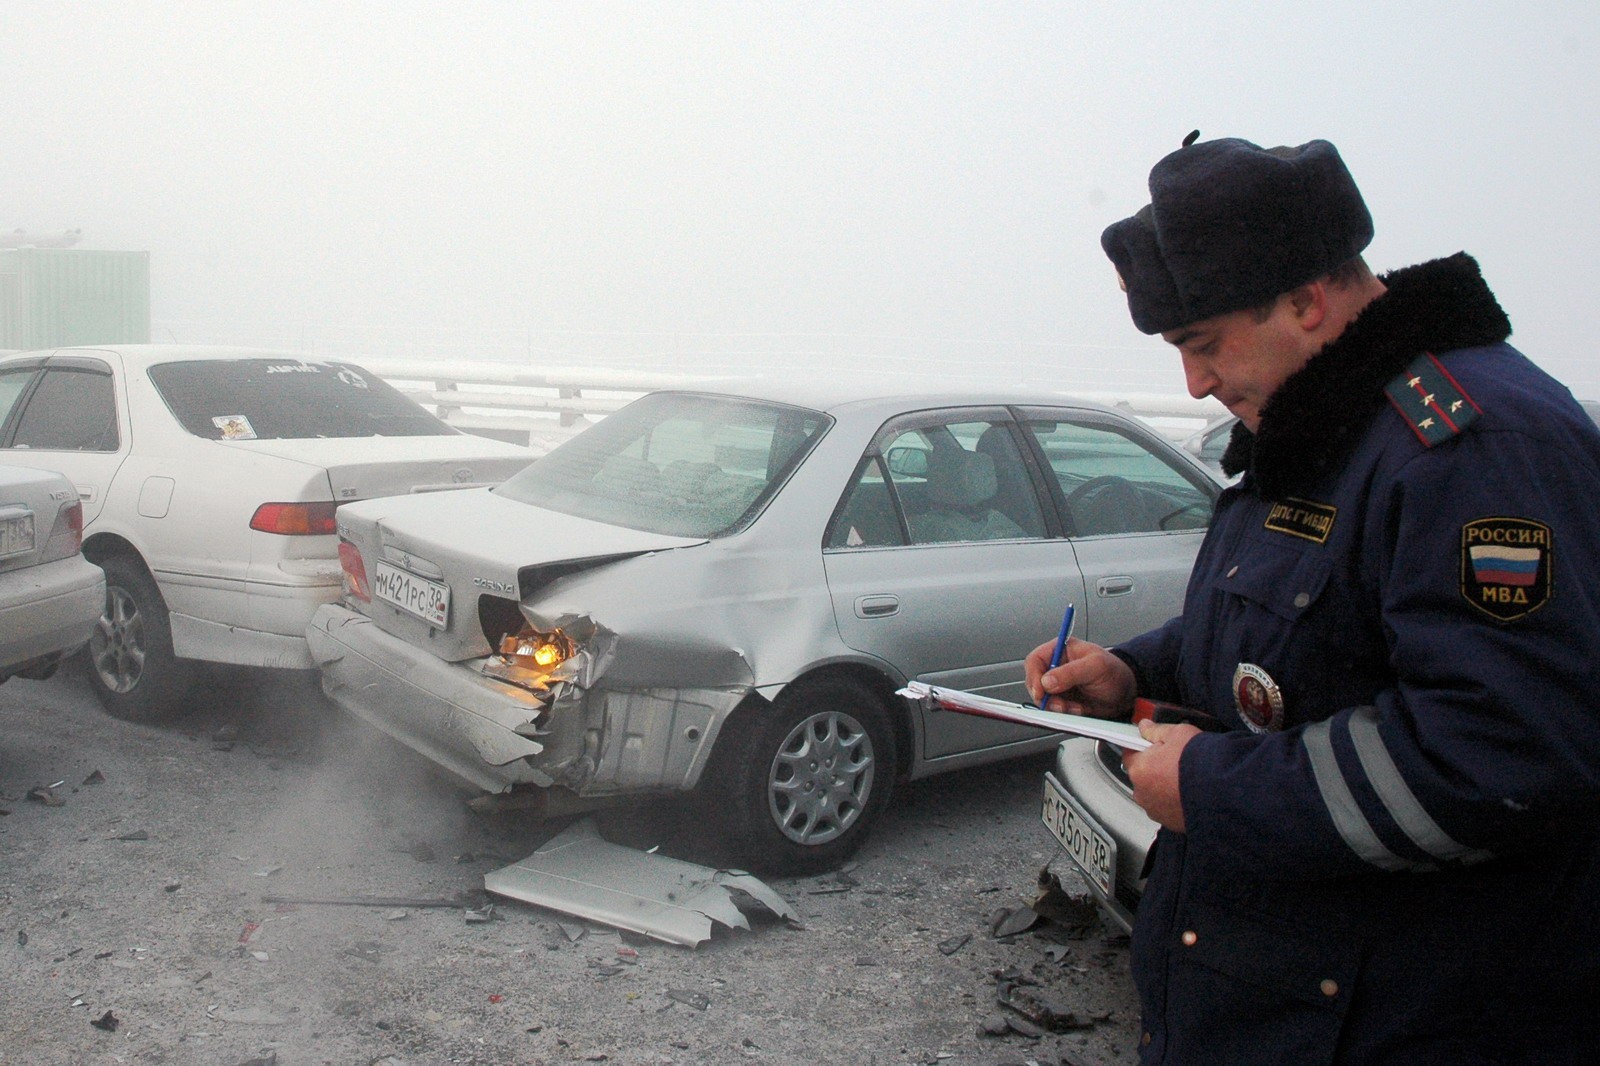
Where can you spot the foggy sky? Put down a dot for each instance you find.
(910, 185)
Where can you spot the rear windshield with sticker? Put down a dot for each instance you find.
(279, 399)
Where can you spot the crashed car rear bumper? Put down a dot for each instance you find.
(48, 610)
(464, 722)
(497, 736)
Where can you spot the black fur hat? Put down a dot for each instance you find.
(1230, 225)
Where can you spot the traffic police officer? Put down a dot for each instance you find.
(1387, 847)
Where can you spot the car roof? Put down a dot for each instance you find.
(837, 393)
(144, 355)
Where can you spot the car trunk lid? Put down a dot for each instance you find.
(361, 468)
(431, 560)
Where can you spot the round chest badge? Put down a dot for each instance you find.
(1258, 697)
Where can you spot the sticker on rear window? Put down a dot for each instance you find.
(234, 427)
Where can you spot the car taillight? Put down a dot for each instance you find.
(66, 536)
(355, 572)
(295, 519)
(531, 657)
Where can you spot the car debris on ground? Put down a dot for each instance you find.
(579, 872)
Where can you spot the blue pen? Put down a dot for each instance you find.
(1061, 641)
(1061, 649)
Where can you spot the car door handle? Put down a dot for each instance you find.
(1114, 586)
(880, 606)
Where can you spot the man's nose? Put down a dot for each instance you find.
(1198, 377)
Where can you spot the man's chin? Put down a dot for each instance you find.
(1246, 413)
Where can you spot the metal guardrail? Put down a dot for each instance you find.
(539, 408)
(542, 407)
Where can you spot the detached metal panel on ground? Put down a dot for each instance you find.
(582, 874)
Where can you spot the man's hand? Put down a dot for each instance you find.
(1090, 680)
(1154, 772)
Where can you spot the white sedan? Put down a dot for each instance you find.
(50, 596)
(208, 479)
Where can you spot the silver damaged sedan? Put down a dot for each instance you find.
(721, 593)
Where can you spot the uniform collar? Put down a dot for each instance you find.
(1315, 418)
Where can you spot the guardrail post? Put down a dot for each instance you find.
(569, 417)
(443, 410)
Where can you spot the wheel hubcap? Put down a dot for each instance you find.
(821, 777)
(116, 646)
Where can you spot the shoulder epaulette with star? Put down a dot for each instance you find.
(1431, 401)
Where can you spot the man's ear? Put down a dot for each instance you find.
(1310, 305)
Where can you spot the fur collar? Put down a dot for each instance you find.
(1315, 418)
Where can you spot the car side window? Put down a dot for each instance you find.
(951, 481)
(867, 517)
(71, 410)
(1113, 483)
(12, 384)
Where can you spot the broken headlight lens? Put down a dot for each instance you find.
(530, 656)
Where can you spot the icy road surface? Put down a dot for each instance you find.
(136, 921)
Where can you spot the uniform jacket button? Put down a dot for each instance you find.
(1189, 938)
(1145, 1039)
(1302, 599)
(1330, 987)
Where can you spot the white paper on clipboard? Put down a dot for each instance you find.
(1122, 734)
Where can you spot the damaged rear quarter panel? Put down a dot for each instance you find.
(727, 613)
(695, 631)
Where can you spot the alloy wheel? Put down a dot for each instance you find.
(821, 778)
(117, 644)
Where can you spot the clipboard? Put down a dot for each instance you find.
(935, 698)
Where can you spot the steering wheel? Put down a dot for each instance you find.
(1104, 504)
(1093, 485)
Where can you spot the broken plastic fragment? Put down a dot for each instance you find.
(580, 873)
(1043, 1011)
(1014, 922)
(689, 998)
(1078, 915)
(46, 795)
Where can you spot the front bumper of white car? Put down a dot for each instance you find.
(1107, 837)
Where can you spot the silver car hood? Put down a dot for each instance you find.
(478, 543)
(360, 468)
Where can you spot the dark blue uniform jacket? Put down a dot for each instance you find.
(1394, 853)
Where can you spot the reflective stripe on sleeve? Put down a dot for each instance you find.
(1353, 827)
(1402, 804)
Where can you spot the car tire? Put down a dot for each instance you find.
(797, 786)
(131, 664)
